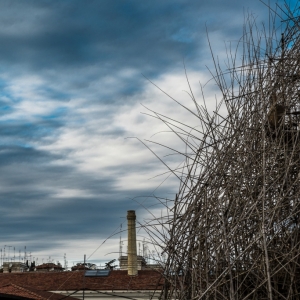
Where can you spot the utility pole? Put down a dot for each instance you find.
(120, 249)
(83, 278)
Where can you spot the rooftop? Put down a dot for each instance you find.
(13, 291)
(61, 281)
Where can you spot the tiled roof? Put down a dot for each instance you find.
(27, 292)
(60, 281)
(80, 267)
(48, 266)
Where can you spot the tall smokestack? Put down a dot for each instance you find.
(132, 255)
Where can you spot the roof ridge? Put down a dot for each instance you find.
(27, 290)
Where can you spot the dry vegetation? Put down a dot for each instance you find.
(233, 230)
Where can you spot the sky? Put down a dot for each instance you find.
(75, 94)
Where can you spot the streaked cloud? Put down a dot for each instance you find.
(72, 89)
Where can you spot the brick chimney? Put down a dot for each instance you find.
(132, 254)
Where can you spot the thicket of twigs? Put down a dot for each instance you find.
(233, 230)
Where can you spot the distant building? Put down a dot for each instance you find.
(81, 267)
(141, 263)
(14, 267)
(49, 267)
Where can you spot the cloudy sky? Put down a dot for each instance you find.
(74, 87)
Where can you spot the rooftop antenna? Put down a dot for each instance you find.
(14, 254)
(144, 249)
(120, 248)
(9, 252)
(25, 255)
(65, 262)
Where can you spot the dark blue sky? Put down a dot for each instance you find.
(71, 89)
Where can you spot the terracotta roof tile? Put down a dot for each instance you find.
(28, 292)
(60, 281)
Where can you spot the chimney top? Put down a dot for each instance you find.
(131, 215)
